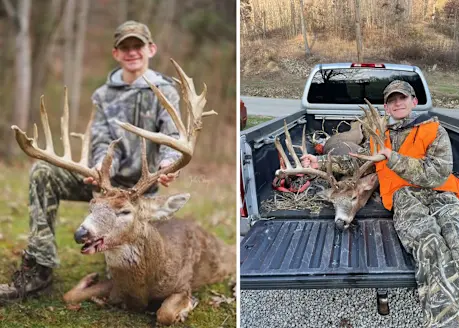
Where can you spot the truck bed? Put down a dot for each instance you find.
(299, 249)
(268, 163)
(297, 253)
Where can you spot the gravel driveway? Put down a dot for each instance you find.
(341, 308)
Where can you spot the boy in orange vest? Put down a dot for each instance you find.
(417, 184)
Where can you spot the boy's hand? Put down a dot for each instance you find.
(91, 180)
(386, 152)
(166, 179)
(309, 160)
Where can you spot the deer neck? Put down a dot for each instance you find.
(143, 244)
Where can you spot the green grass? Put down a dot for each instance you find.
(253, 120)
(443, 84)
(212, 203)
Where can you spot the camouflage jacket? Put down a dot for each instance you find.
(428, 172)
(136, 104)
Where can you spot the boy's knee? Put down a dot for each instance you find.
(40, 170)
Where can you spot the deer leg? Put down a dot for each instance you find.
(88, 288)
(175, 308)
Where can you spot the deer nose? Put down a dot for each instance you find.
(81, 235)
(339, 224)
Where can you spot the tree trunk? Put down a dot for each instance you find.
(44, 39)
(123, 11)
(307, 50)
(8, 32)
(23, 71)
(293, 18)
(145, 16)
(69, 43)
(74, 93)
(358, 32)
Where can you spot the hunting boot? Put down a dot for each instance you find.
(28, 280)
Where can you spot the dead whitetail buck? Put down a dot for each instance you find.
(350, 193)
(150, 258)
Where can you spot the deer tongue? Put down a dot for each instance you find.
(91, 247)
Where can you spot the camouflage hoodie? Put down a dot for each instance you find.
(138, 105)
(429, 172)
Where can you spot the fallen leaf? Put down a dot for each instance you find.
(218, 299)
(22, 236)
(73, 307)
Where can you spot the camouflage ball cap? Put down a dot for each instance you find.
(399, 86)
(132, 29)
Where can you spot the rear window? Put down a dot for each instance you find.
(351, 85)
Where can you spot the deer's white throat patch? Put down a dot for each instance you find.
(123, 256)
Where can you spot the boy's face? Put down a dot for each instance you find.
(132, 54)
(399, 105)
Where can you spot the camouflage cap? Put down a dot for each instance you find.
(399, 86)
(132, 29)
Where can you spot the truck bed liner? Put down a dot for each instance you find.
(311, 253)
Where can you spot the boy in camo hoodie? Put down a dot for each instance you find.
(417, 184)
(125, 97)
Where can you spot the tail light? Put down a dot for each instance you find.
(368, 65)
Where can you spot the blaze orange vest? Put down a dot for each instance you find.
(415, 145)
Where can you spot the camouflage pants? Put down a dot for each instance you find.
(48, 186)
(427, 223)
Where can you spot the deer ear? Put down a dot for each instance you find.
(324, 194)
(172, 205)
(369, 181)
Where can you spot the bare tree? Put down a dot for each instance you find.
(44, 38)
(23, 69)
(69, 43)
(146, 12)
(358, 32)
(307, 50)
(293, 18)
(123, 11)
(77, 63)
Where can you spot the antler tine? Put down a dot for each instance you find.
(330, 176)
(104, 173)
(304, 150)
(288, 143)
(361, 171)
(298, 170)
(187, 136)
(65, 127)
(376, 129)
(30, 146)
(85, 139)
(282, 153)
(46, 129)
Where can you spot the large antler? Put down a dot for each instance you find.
(375, 126)
(30, 146)
(187, 136)
(299, 169)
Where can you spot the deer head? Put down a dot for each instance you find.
(349, 194)
(115, 213)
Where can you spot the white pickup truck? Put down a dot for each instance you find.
(285, 249)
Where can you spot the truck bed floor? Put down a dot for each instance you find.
(311, 253)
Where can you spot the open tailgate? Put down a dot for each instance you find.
(311, 253)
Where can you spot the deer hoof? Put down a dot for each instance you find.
(184, 313)
(88, 281)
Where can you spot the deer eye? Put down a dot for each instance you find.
(354, 198)
(124, 212)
